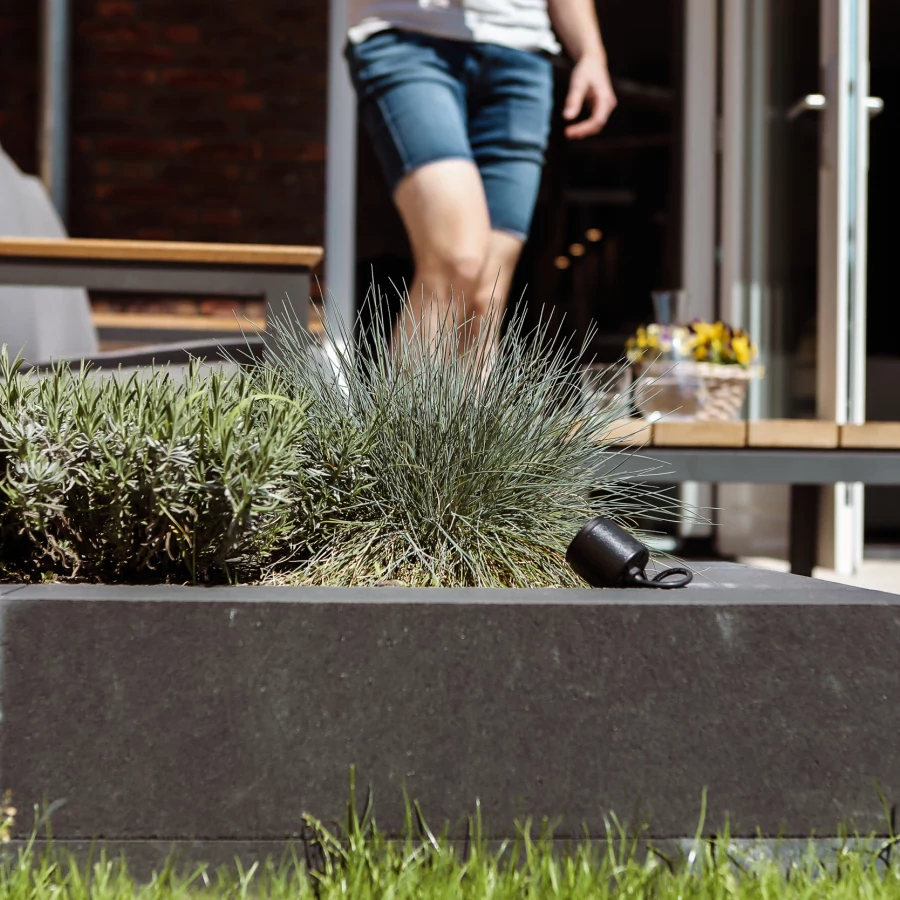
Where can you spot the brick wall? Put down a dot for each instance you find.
(19, 80)
(191, 119)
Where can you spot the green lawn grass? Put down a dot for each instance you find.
(522, 869)
(358, 862)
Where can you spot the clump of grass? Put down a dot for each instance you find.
(449, 469)
(142, 478)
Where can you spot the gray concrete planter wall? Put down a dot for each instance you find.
(225, 714)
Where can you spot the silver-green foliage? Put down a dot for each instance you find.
(142, 478)
(446, 469)
(414, 463)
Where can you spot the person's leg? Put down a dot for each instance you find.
(413, 103)
(487, 300)
(445, 213)
(509, 125)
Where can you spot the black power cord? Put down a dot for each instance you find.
(660, 580)
(605, 555)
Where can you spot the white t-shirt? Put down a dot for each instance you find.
(522, 24)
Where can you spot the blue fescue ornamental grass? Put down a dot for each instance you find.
(457, 469)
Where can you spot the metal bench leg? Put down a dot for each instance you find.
(287, 299)
(804, 528)
(289, 296)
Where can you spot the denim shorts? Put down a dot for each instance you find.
(424, 99)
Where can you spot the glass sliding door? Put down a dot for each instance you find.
(795, 124)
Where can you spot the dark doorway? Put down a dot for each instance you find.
(883, 332)
(607, 227)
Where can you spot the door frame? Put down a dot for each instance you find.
(843, 207)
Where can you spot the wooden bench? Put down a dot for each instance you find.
(277, 275)
(804, 454)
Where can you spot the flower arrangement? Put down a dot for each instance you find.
(706, 342)
(697, 371)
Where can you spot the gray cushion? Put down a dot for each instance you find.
(37, 322)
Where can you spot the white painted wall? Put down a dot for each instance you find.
(699, 172)
(340, 174)
(698, 245)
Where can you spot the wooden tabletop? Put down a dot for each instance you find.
(781, 434)
(160, 251)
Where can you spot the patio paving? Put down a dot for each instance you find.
(875, 574)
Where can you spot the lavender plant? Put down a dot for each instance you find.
(142, 478)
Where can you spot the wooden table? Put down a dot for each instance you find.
(804, 454)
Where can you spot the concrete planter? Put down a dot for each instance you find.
(222, 715)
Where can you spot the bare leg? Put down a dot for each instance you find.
(446, 217)
(484, 309)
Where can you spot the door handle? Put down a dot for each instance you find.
(816, 102)
(875, 106)
(805, 104)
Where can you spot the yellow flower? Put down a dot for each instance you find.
(713, 342)
(743, 350)
(703, 332)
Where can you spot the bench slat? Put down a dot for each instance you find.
(700, 434)
(173, 322)
(160, 251)
(871, 436)
(184, 322)
(629, 433)
(790, 433)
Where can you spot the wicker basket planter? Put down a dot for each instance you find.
(692, 390)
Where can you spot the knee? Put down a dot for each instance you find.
(460, 273)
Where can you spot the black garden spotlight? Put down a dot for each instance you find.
(605, 555)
